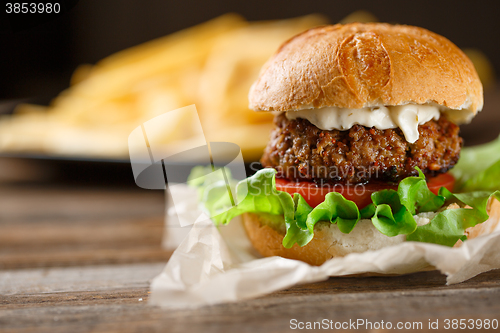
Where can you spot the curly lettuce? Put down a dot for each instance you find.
(478, 168)
(391, 212)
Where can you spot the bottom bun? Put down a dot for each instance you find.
(266, 234)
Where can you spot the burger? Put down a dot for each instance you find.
(366, 131)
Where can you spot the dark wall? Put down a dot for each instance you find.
(39, 61)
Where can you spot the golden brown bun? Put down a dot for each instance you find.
(361, 65)
(329, 242)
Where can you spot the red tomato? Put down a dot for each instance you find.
(360, 193)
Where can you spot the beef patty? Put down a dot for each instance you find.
(301, 151)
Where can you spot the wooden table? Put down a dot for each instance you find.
(80, 258)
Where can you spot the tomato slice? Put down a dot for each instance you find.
(359, 193)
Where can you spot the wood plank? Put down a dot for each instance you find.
(71, 279)
(122, 295)
(337, 299)
(94, 278)
(59, 226)
(81, 242)
(45, 203)
(87, 233)
(79, 257)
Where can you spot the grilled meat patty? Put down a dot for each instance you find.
(301, 151)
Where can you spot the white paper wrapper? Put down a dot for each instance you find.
(215, 265)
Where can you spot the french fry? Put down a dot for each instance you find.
(232, 67)
(211, 65)
(26, 108)
(81, 73)
(145, 52)
(114, 78)
(118, 73)
(26, 135)
(361, 16)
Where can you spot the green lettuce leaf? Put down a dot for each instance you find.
(302, 210)
(416, 196)
(298, 233)
(391, 217)
(488, 179)
(213, 192)
(335, 209)
(391, 212)
(478, 168)
(368, 211)
(256, 194)
(448, 226)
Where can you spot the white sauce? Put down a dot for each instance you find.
(406, 117)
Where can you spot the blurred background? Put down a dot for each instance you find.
(72, 89)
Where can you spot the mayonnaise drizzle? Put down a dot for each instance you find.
(406, 117)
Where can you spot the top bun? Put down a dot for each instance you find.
(363, 65)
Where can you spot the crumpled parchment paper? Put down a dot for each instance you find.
(216, 265)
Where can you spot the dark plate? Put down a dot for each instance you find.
(82, 171)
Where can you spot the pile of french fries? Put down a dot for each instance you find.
(211, 65)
